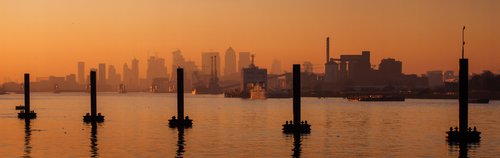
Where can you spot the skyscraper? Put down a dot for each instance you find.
(102, 74)
(156, 68)
(127, 76)
(131, 75)
(206, 60)
(113, 77)
(177, 61)
(81, 73)
(244, 60)
(230, 62)
(135, 72)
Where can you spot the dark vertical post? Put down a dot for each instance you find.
(463, 95)
(27, 93)
(180, 93)
(327, 49)
(296, 94)
(93, 94)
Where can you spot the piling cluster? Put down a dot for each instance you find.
(463, 133)
(180, 121)
(27, 113)
(296, 126)
(93, 116)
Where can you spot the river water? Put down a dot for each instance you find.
(137, 126)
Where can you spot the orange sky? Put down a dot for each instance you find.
(49, 37)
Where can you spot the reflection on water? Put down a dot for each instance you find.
(462, 148)
(180, 143)
(27, 138)
(296, 145)
(93, 141)
(239, 128)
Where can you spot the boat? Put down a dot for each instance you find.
(257, 92)
(377, 98)
(479, 101)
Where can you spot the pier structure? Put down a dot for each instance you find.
(93, 116)
(463, 133)
(27, 113)
(296, 126)
(180, 121)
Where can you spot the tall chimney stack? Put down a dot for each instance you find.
(327, 49)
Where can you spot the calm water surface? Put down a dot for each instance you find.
(136, 126)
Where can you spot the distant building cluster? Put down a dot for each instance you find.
(356, 71)
(157, 79)
(240, 75)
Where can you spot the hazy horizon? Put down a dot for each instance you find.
(49, 38)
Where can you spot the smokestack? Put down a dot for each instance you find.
(327, 49)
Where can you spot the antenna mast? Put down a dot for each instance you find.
(463, 41)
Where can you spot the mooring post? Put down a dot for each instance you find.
(27, 109)
(463, 95)
(181, 121)
(463, 134)
(93, 117)
(93, 94)
(296, 94)
(180, 93)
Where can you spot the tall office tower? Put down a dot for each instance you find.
(131, 75)
(113, 77)
(177, 61)
(276, 67)
(156, 68)
(244, 61)
(102, 74)
(230, 62)
(135, 73)
(127, 76)
(206, 60)
(81, 73)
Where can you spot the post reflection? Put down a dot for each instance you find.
(180, 143)
(463, 148)
(27, 138)
(93, 141)
(297, 142)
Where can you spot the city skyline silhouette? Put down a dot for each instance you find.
(235, 78)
